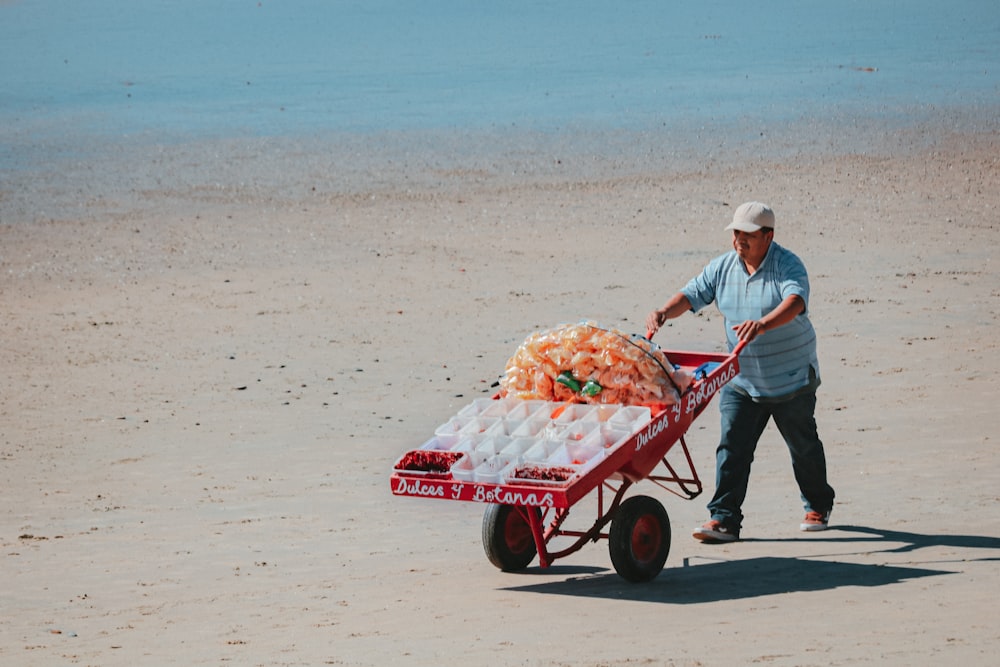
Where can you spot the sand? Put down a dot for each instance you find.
(205, 389)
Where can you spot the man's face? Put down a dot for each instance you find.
(752, 246)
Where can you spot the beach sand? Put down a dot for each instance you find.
(205, 390)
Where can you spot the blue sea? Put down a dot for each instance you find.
(81, 79)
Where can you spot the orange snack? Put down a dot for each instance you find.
(629, 370)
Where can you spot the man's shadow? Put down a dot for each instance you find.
(715, 579)
(914, 541)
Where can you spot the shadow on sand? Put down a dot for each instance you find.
(714, 580)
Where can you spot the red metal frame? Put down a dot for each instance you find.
(628, 463)
(545, 534)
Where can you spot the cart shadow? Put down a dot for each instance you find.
(731, 580)
(717, 580)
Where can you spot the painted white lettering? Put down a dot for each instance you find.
(707, 389)
(416, 487)
(691, 401)
(654, 429)
(502, 496)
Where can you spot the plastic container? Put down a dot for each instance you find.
(447, 444)
(573, 412)
(517, 447)
(450, 431)
(603, 412)
(581, 432)
(530, 428)
(551, 407)
(492, 445)
(528, 409)
(480, 425)
(508, 425)
(468, 443)
(542, 450)
(475, 408)
(632, 417)
(492, 471)
(582, 457)
(463, 469)
(540, 474)
(437, 463)
(612, 436)
(500, 407)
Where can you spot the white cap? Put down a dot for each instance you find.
(751, 217)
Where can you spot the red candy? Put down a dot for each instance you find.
(544, 473)
(428, 460)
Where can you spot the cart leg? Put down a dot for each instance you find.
(538, 535)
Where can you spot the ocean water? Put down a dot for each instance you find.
(96, 79)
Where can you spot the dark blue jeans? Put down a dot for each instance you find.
(743, 422)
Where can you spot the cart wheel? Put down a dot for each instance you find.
(507, 536)
(639, 539)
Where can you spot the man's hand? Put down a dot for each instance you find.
(654, 321)
(749, 330)
(786, 311)
(675, 307)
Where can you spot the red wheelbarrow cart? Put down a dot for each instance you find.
(531, 462)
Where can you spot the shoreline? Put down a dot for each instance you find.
(87, 177)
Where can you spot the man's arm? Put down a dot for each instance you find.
(786, 311)
(675, 307)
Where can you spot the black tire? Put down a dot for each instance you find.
(639, 540)
(507, 536)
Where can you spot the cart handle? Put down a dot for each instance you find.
(736, 350)
(739, 346)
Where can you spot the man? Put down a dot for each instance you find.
(762, 291)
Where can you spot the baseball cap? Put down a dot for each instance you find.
(751, 217)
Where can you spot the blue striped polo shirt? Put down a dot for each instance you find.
(777, 363)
